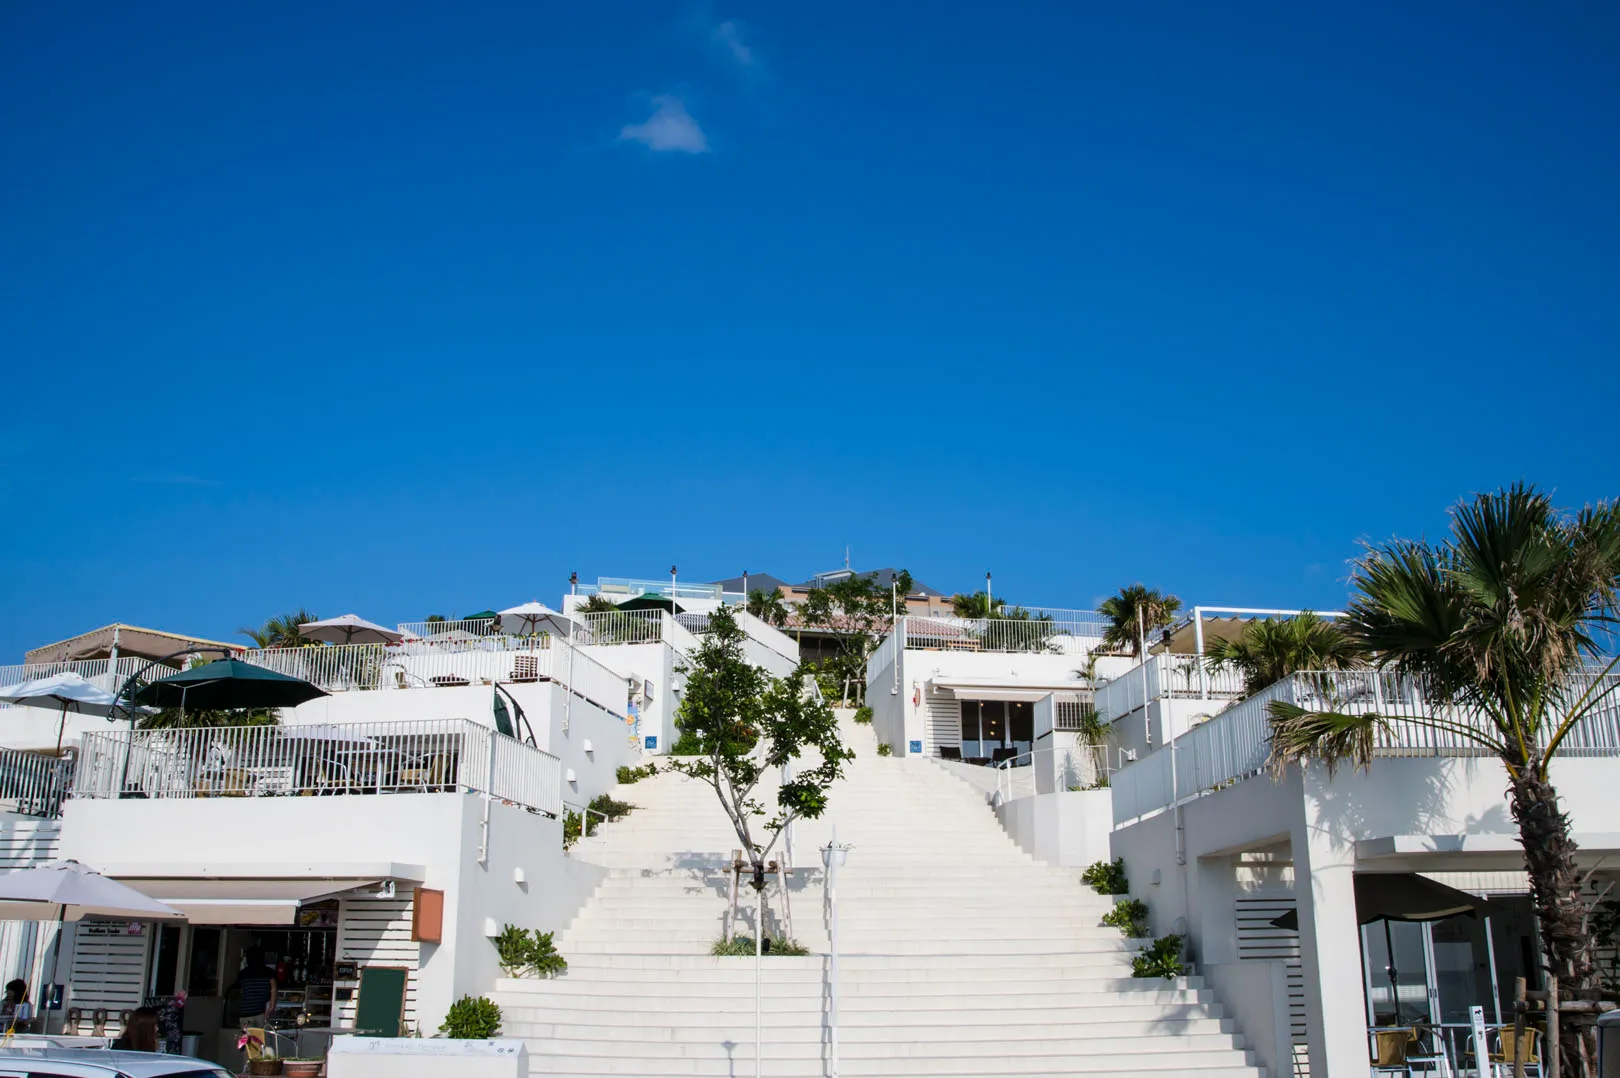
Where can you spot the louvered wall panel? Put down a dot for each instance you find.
(23, 944)
(109, 970)
(377, 932)
(943, 714)
(1260, 940)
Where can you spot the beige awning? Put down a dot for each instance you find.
(132, 641)
(975, 688)
(243, 901)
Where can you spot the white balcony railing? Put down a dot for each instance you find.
(619, 587)
(1053, 770)
(620, 627)
(33, 784)
(433, 630)
(1169, 677)
(1051, 632)
(1236, 744)
(97, 671)
(439, 756)
(426, 663)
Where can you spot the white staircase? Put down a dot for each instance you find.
(960, 955)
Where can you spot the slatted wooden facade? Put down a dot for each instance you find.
(25, 946)
(943, 720)
(377, 932)
(1259, 940)
(109, 970)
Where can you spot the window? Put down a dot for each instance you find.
(202, 977)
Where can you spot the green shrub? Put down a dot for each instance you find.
(1161, 958)
(884, 749)
(744, 946)
(512, 948)
(523, 952)
(863, 715)
(1130, 917)
(472, 1020)
(627, 774)
(1107, 878)
(613, 810)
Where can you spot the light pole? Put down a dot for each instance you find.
(833, 856)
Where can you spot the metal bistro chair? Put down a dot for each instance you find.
(1504, 1052)
(1401, 1050)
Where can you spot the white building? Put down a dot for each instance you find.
(1281, 884)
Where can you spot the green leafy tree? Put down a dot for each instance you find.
(768, 607)
(745, 724)
(1123, 633)
(1270, 649)
(1497, 627)
(858, 612)
(596, 604)
(281, 631)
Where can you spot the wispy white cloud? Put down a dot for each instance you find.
(669, 129)
(728, 36)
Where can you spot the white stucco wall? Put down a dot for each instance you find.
(1067, 828)
(1446, 814)
(313, 836)
(654, 665)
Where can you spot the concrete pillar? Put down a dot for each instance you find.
(1329, 942)
(1213, 903)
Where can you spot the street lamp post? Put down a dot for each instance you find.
(833, 856)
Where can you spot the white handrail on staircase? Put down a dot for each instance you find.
(1052, 770)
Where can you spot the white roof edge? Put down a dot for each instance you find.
(1401, 845)
(324, 870)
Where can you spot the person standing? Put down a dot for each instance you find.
(256, 985)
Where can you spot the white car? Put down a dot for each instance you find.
(23, 1062)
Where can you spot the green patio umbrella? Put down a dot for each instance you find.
(225, 685)
(490, 616)
(652, 602)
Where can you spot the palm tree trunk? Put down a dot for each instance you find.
(1561, 913)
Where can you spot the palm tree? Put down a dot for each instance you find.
(1270, 649)
(769, 608)
(281, 631)
(1499, 624)
(977, 605)
(596, 604)
(1158, 611)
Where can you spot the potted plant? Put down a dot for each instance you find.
(261, 1059)
(302, 1067)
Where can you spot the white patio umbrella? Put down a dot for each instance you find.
(348, 629)
(68, 689)
(63, 891)
(534, 617)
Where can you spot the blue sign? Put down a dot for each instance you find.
(916, 748)
(652, 741)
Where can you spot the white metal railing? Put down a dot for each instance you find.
(436, 756)
(1174, 677)
(1053, 632)
(630, 588)
(697, 624)
(424, 664)
(888, 648)
(1053, 770)
(1236, 744)
(97, 671)
(33, 784)
(1071, 710)
(620, 627)
(428, 630)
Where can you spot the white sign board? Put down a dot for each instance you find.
(1476, 1021)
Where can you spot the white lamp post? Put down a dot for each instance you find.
(833, 856)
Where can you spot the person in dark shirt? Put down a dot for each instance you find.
(257, 985)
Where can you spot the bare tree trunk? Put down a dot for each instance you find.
(1561, 913)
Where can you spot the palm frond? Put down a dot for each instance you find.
(1298, 736)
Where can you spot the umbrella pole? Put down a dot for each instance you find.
(61, 728)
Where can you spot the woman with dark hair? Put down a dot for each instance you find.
(15, 1008)
(141, 1034)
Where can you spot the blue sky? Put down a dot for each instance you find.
(415, 308)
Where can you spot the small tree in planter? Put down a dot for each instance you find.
(743, 722)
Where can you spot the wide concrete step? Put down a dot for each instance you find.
(736, 1058)
(871, 1041)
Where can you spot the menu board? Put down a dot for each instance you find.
(171, 1020)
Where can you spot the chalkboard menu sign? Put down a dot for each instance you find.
(171, 1018)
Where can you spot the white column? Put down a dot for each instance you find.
(1329, 941)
